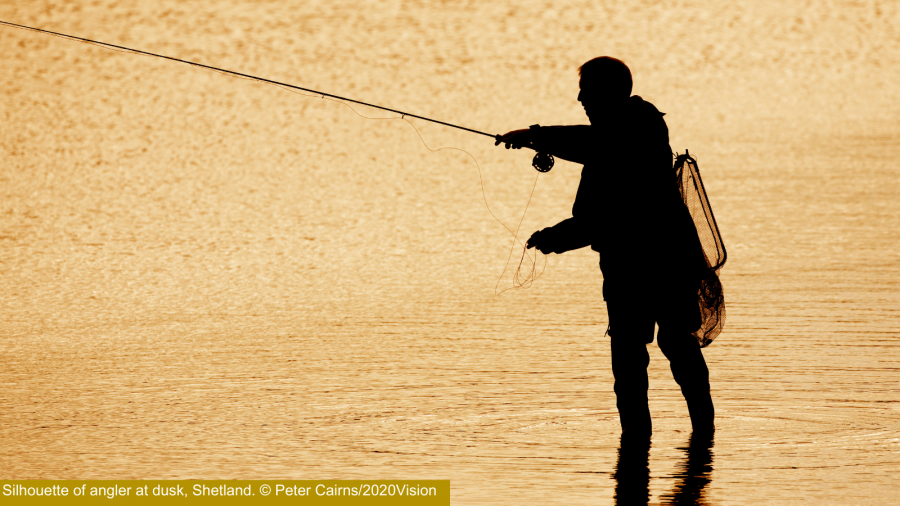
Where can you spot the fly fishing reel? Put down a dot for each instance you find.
(542, 162)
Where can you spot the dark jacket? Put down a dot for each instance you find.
(628, 207)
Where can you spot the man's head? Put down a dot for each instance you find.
(605, 82)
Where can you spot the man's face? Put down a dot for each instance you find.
(587, 97)
(594, 99)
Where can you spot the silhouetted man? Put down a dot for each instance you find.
(629, 210)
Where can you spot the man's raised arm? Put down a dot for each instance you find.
(570, 143)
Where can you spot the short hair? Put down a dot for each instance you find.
(607, 75)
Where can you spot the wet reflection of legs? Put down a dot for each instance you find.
(633, 470)
(695, 471)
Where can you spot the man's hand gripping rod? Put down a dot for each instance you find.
(517, 139)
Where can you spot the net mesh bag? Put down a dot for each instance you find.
(711, 298)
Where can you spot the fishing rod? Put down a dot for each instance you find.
(543, 162)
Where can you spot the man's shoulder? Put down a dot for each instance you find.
(648, 121)
(644, 108)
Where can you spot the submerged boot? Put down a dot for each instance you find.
(702, 411)
(629, 361)
(692, 375)
(634, 415)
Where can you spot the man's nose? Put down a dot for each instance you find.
(579, 95)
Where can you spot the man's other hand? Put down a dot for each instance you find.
(543, 241)
(516, 139)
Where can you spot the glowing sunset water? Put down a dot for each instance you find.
(206, 277)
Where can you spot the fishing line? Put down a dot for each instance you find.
(520, 279)
(542, 161)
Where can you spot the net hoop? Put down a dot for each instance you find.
(710, 296)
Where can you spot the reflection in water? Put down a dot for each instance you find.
(633, 472)
(694, 473)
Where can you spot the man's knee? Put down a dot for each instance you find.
(629, 354)
(678, 344)
(685, 358)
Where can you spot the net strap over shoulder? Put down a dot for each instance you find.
(711, 297)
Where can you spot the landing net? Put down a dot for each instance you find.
(711, 298)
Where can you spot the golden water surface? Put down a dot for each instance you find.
(208, 277)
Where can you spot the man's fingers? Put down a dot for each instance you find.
(510, 139)
(536, 241)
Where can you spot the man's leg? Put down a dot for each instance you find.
(691, 373)
(629, 333)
